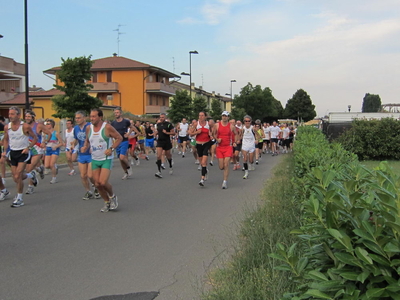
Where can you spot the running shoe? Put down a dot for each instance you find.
(132, 163)
(96, 193)
(3, 195)
(129, 172)
(199, 168)
(34, 179)
(106, 207)
(46, 171)
(179, 153)
(138, 162)
(162, 166)
(29, 190)
(246, 174)
(224, 185)
(41, 172)
(196, 162)
(256, 162)
(234, 167)
(56, 169)
(171, 171)
(183, 155)
(158, 174)
(201, 183)
(147, 158)
(125, 176)
(211, 163)
(54, 180)
(72, 172)
(17, 202)
(113, 202)
(87, 196)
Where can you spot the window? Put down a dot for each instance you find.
(150, 99)
(109, 73)
(94, 77)
(163, 102)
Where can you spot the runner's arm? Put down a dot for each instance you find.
(5, 141)
(111, 132)
(86, 145)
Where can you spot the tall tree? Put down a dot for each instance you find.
(257, 102)
(180, 106)
(199, 104)
(73, 74)
(216, 109)
(371, 103)
(300, 107)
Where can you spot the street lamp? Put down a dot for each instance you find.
(26, 57)
(190, 69)
(232, 81)
(349, 107)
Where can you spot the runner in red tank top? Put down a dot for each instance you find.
(225, 135)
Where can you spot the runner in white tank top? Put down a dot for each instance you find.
(16, 136)
(182, 129)
(249, 140)
(71, 147)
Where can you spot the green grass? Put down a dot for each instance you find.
(395, 164)
(248, 272)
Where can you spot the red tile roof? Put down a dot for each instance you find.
(20, 98)
(117, 63)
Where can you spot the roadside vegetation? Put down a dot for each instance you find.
(328, 228)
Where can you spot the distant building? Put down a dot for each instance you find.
(12, 76)
(134, 86)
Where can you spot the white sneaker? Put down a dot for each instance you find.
(17, 202)
(138, 162)
(224, 185)
(125, 176)
(132, 162)
(246, 174)
(3, 195)
(72, 172)
(113, 202)
(201, 183)
(158, 174)
(197, 162)
(30, 190)
(171, 171)
(199, 168)
(162, 166)
(53, 180)
(129, 172)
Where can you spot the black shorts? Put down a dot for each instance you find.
(165, 145)
(260, 145)
(182, 139)
(16, 157)
(202, 149)
(267, 142)
(274, 141)
(238, 147)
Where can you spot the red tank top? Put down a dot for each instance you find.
(225, 134)
(204, 135)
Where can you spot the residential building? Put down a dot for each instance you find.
(136, 87)
(12, 76)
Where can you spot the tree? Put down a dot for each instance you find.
(216, 109)
(371, 103)
(180, 106)
(257, 102)
(73, 74)
(199, 104)
(300, 107)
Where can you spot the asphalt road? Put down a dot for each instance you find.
(158, 244)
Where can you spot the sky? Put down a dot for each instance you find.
(336, 50)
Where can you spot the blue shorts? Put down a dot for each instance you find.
(84, 158)
(150, 143)
(72, 152)
(141, 141)
(50, 151)
(122, 149)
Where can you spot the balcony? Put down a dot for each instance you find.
(160, 88)
(102, 87)
(156, 109)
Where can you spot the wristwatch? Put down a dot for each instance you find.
(112, 149)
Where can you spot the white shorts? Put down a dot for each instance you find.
(248, 148)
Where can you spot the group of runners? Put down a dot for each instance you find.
(31, 148)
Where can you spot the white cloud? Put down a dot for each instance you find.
(188, 20)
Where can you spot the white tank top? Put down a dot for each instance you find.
(266, 132)
(99, 143)
(248, 136)
(184, 129)
(69, 138)
(17, 139)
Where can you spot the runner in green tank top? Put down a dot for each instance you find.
(99, 137)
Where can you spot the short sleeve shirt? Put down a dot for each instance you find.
(162, 137)
(122, 127)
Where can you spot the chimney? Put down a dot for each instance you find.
(115, 54)
(200, 87)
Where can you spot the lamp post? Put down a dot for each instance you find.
(26, 57)
(232, 81)
(349, 107)
(190, 69)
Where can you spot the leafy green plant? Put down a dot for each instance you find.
(349, 245)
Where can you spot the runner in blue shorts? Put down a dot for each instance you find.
(84, 157)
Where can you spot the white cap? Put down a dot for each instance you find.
(225, 113)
